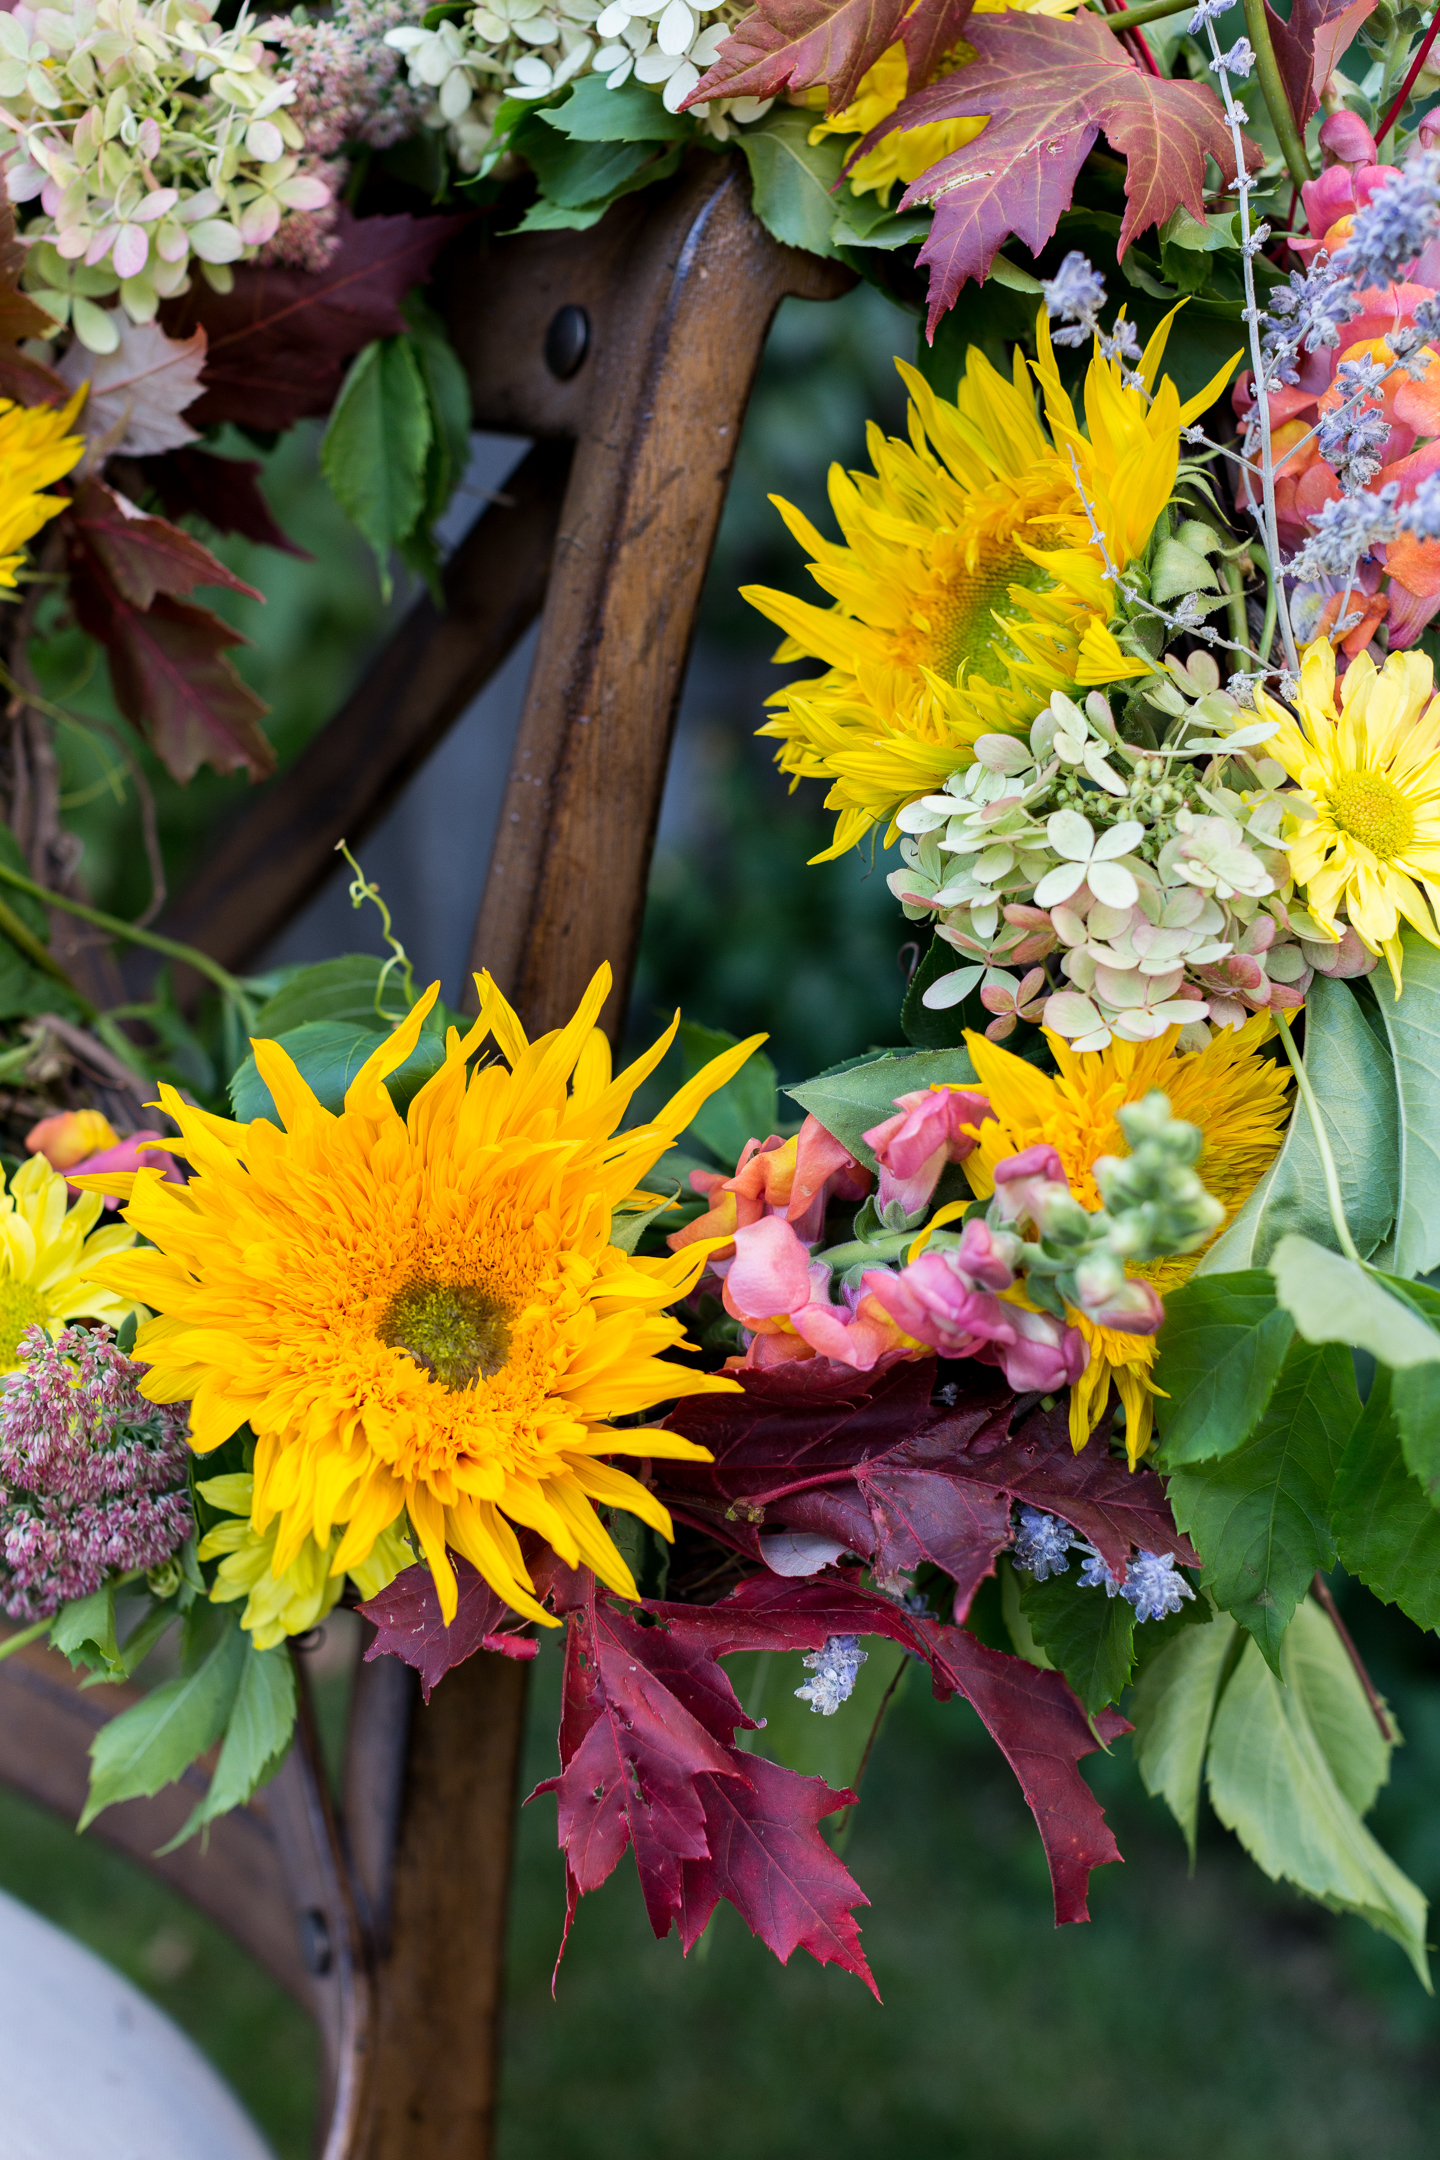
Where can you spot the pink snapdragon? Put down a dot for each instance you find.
(950, 1300)
(795, 1178)
(929, 1130)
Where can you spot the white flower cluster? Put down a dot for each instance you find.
(147, 136)
(1161, 889)
(529, 49)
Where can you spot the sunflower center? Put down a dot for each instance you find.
(959, 630)
(20, 1308)
(457, 1332)
(1372, 810)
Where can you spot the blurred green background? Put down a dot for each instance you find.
(1216, 2015)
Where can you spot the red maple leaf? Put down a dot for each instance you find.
(1048, 88)
(279, 339)
(764, 1856)
(1309, 44)
(130, 576)
(790, 44)
(410, 1625)
(899, 1479)
(224, 491)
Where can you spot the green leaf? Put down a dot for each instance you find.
(30, 911)
(1412, 1023)
(1320, 1671)
(1221, 1350)
(1172, 1709)
(1387, 1532)
(85, 1628)
(1415, 1402)
(865, 221)
(1009, 274)
(328, 1054)
(1272, 1781)
(1333, 1300)
(746, 1108)
(1090, 1636)
(1354, 1082)
(375, 446)
(156, 1739)
(334, 990)
(633, 113)
(861, 1095)
(257, 1735)
(543, 216)
(1260, 1515)
(791, 178)
(575, 174)
(626, 1230)
(448, 389)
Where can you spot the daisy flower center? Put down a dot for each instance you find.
(20, 1307)
(457, 1332)
(1371, 809)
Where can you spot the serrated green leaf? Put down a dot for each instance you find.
(1220, 1353)
(1259, 1516)
(1319, 1669)
(1273, 1783)
(791, 178)
(593, 112)
(334, 990)
(746, 1108)
(1354, 1083)
(1172, 1709)
(1412, 1023)
(85, 1628)
(1333, 1300)
(1387, 1532)
(157, 1738)
(1091, 1637)
(447, 387)
(576, 174)
(850, 1101)
(375, 446)
(328, 1054)
(1415, 1401)
(257, 1735)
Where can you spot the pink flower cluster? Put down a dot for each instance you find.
(932, 1127)
(1400, 585)
(94, 1476)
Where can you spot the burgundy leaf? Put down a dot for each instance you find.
(1048, 87)
(929, 34)
(1309, 44)
(410, 1625)
(765, 1855)
(224, 491)
(280, 338)
(142, 556)
(790, 44)
(29, 382)
(20, 316)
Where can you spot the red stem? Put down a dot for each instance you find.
(1409, 83)
(1137, 41)
(1320, 1591)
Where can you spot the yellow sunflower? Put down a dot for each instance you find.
(1235, 1096)
(976, 514)
(907, 152)
(36, 448)
(1372, 771)
(50, 1258)
(425, 1313)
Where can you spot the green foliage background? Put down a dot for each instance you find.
(1220, 2014)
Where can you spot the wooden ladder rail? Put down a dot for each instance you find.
(606, 531)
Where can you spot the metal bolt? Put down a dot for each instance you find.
(315, 1944)
(567, 341)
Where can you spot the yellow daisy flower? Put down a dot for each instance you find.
(1372, 771)
(425, 1313)
(977, 513)
(48, 1254)
(907, 152)
(1234, 1095)
(297, 1600)
(36, 448)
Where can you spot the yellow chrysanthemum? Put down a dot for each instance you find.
(49, 1254)
(425, 1313)
(1372, 771)
(977, 513)
(298, 1599)
(1236, 1097)
(907, 152)
(36, 448)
